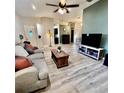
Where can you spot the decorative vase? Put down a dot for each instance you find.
(58, 51)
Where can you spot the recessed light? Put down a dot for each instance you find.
(33, 7)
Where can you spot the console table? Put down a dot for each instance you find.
(96, 53)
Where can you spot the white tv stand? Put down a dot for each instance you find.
(96, 53)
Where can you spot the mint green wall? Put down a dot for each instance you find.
(95, 20)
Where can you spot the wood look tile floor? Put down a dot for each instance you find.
(83, 75)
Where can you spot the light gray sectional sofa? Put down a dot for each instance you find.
(34, 77)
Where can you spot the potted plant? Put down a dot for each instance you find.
(59, 48)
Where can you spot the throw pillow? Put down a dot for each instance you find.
(22, 62)
(30, 46)
(35, 48)
(26, 42)
(29, 49)
(20, 51)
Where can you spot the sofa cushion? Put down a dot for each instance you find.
(29, 45)
(29, 48)
(42, 68)
(22, 62)
(35, 48)
(38, 51)
(20, 51)
(36, 56)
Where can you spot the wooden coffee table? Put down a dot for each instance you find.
(60, 59)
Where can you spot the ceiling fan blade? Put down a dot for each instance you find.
(74, 5)
(56, 10)
(67, 11)
(51, 5)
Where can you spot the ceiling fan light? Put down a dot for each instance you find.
(69, 9)
(64, 11)
(61, 11)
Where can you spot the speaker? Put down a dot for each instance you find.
(106, 60)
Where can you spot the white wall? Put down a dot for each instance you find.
(77, 31)
(31, 22)
(77, 26)
(19, 29)
(47, 23)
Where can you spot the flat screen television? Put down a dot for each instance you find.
(92, 40)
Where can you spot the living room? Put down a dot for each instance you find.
(83, 74)
(60, 60)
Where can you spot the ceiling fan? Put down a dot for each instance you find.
(62, 7)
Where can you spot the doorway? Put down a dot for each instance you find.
(72, 36)
(56, 39)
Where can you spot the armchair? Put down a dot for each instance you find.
(32, 78)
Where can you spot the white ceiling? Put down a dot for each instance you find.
(24, 8)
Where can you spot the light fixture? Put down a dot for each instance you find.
(33, 7)
(61, 11)
(69, 9)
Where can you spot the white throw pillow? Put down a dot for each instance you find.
(20, 51)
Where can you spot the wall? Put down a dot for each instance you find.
(77, 26)
(47, 24)
(19, 28)
(65, 29)
(77, 32)
(95, 20)
(29, 22)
